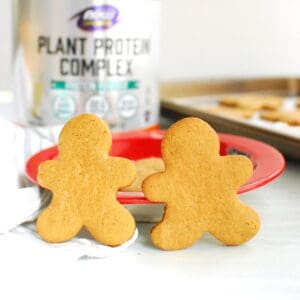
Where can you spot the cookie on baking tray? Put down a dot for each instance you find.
(144, 168)
(199, 188)
(252, 102)
(290, 117)
(84, 181)
(230, 111)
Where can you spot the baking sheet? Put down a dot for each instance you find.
(201, 103)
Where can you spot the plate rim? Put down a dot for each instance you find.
(261, 154)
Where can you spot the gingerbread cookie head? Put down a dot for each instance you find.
(181, 143)
(85, 133)
(199, 188)
(84, 181)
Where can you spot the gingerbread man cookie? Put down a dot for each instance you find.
(84, 181)
(144, 168)
(199, 188)
(230, 111)
(252, 102)
(290, 117)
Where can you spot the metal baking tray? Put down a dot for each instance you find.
(192, 98)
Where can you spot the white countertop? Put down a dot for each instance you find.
(267, 267)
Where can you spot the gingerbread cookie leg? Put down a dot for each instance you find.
(117, 219)
(57, 224)
(175, 232)
(237, 225)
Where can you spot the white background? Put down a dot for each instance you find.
(212, 39)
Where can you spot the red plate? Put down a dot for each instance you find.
(268, 163)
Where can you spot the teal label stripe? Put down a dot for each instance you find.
(95, 86)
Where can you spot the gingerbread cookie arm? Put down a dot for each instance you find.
(238, 167)
(47, 174)
(157, 188)
(123, 171)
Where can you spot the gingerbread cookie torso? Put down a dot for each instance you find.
(199, 188)
(84, 181)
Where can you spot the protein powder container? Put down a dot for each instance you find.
(76, 56)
